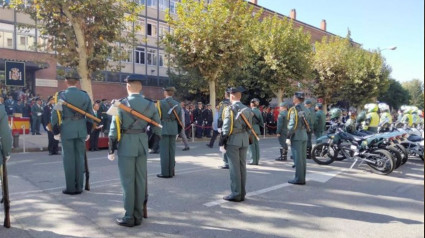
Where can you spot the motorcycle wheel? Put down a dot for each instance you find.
(396, 154)
(384, 163)
(323, 154)
(404, 153)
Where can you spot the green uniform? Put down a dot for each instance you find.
(36, 114)
(5, 135)
(223, 104)
(298, 135)
(350, 126)
(282, 128)
(73, 130)
(320, 124)
(254, 148)
(132, 153)
(310, 115)
(237, 147)
(167, 145)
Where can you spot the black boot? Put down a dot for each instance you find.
(284, 154)
(281, 155)
(308, 152)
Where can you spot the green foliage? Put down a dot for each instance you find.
(330, 63)
(281, 55)
(395, 95)
(367, 77)
(210, 39)
(415, 87)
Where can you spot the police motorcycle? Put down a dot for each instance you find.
(413, 139)
(366, 149)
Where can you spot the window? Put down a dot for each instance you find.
(152, 57)
(173, 6)
(140, 27)
(151, 31)
(163, 4)
(141, 2)
(152, 3)
(161, 60)
(139, 55)
(162, 30)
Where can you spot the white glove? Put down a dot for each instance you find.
(219, 130)
(7, 158)
(111, 157)
(39, 114)
(116, 103)
(222, 150)
(57, 137)
(47, 128)
(288, 141)
(88, 137)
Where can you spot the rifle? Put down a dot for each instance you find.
(249, 126)
(87, 172)
(61, 102)
(5, 200)
(117, 104)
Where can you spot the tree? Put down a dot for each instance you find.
(367, 76)
(85, 34)
(330, 64)
(415, 87)
(210, 38)
(395, 95)
(282, 55)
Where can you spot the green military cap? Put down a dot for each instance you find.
(72, 75)
(255, 100)
(238, 89)
(134, 77)
(170, 89)
(299, 95)
(308, 102)
(319, 105)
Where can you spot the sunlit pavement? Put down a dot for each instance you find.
(336, 202)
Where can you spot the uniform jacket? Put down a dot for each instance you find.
(320, 124)
(47, 114)
(128, 143)
(257, 120)
(282, 123)
(36, 110)
(169, 121)
(296, 127)
(70, 128)
(5, 134)
(240, 131)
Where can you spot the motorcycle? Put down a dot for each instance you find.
(365, 149)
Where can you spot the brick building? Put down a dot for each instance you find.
(147, 59)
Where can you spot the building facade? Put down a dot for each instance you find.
(147, 59)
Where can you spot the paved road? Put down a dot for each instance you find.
(336, 202)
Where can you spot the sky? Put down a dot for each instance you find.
(375, 24)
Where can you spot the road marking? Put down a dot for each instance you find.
(318, 176)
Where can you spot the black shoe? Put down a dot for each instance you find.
(224, 167)
(295, 182)
(231, 199)
(154, 152)
(50, 153)
(279, 159)
(293, 166)
(137, 222)
(38, 133)
(163, 176)
(96, 149)
(123, 222)
(209, 145)
(185, 149)
(71, 193)
(252, 163)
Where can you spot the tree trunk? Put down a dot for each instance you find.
(211, 85)
(325, 107)
(279, 95)
(83, 69)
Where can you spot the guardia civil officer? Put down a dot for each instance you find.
(221, 106)
(297, 127)
(53, 145)
(168, 109)
(257, 123)
(311, 117)
(282, 130)
(5, 137)
(36, 114)
(73, 133)
(129, 134)
(320, 123)
(236, 136)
